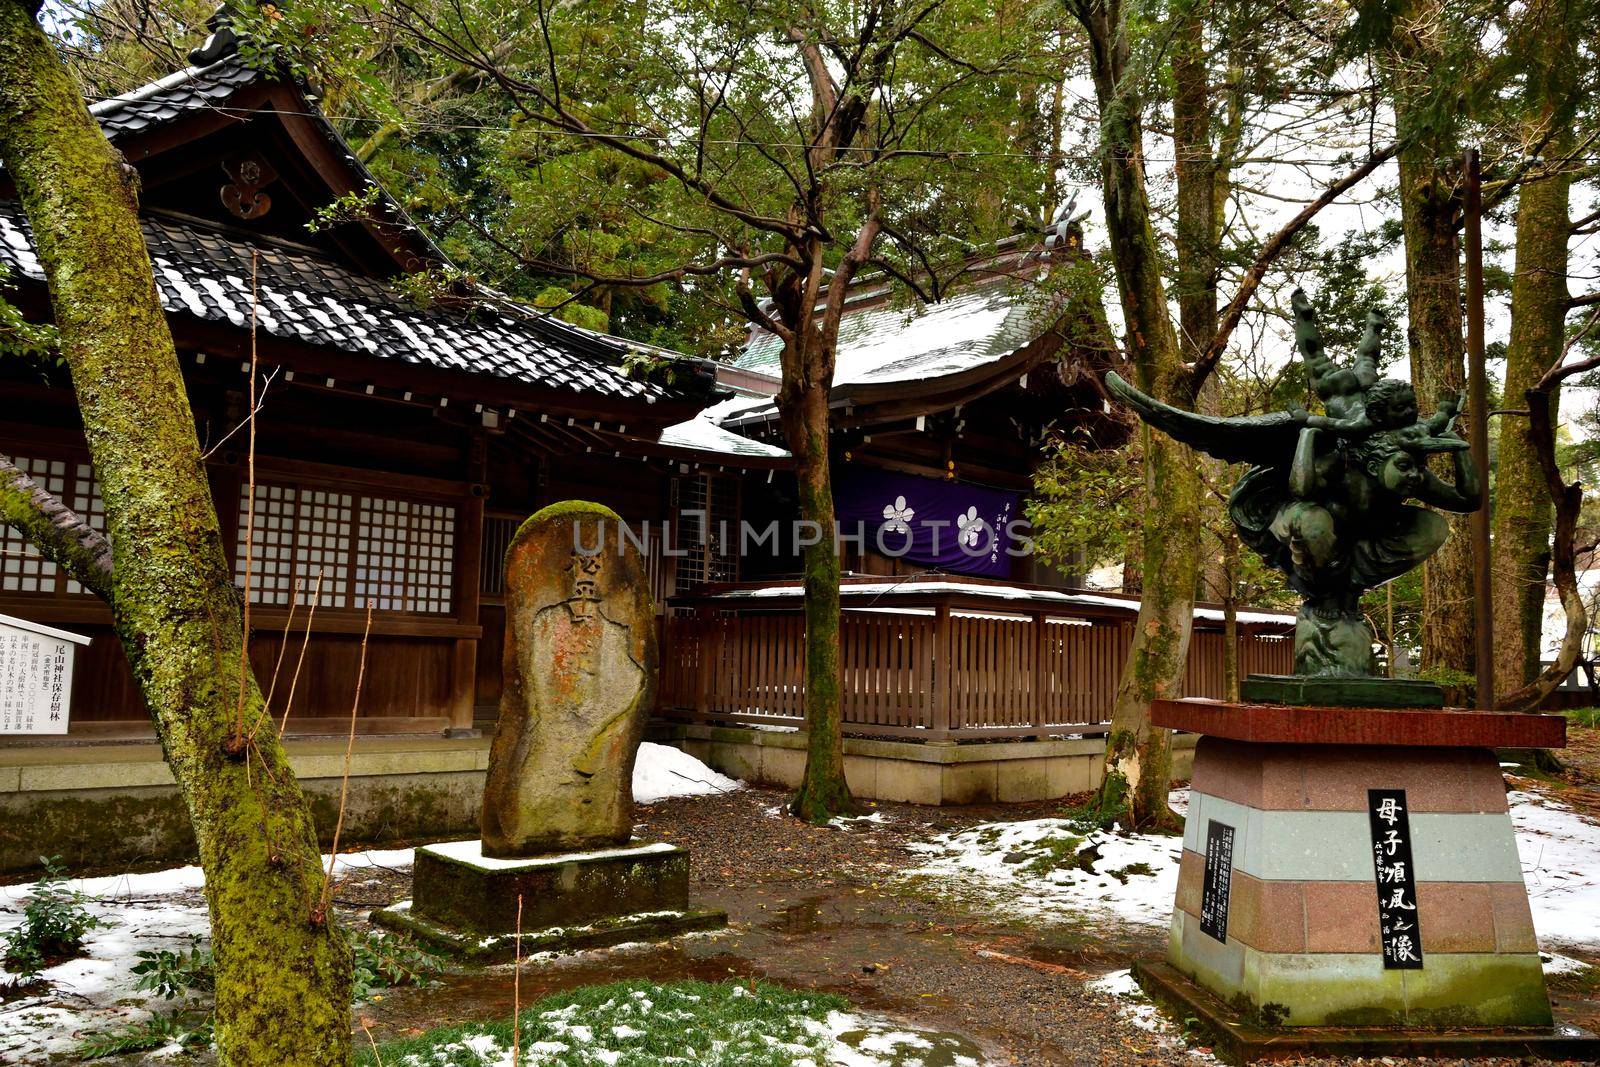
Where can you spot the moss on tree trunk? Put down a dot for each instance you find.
(1539, 295)
(1429, 208)
(823, 792)
(1138, 756)
(283, 978)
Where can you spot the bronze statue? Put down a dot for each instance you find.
(1325, 501)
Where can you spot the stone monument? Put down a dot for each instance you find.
(557, 817)
(1350, 880)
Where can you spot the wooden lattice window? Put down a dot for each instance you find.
(22, 568)
(706, 528)
(498, 533)
(398, 553)
(297, 533)
(405, 556)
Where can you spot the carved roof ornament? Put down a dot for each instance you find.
(222, 41)
(243, 196)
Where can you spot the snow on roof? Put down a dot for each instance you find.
(889, 342)
(924, 586)
(704, 434)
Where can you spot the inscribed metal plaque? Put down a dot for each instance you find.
(1217, 880)
(1396, 879)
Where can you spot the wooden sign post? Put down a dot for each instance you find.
(35, 676)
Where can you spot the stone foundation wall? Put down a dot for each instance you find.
(1003, 772)
(109, 808)
(113, 807)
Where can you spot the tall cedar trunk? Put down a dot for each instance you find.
(283, 980)
(1429, 209)
(823, 792)
(1138, 755)
(1523, 506)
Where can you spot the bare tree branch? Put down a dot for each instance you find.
(1207, 362)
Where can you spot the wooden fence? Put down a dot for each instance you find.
(931, 677)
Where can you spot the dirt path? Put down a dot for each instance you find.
(819, 908)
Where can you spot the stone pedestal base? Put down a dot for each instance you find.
(1292, 933)
(466, 903)
(1235, 1037)
(1302, 690)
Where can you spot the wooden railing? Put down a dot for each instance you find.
(932, 677)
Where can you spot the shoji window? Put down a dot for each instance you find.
(22, 568)
(398, 553)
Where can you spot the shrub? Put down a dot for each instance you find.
(54, 920)
(169, 973)
(158, 1031)
(388, 961)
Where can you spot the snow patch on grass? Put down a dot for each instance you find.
(1053, 869)
(662, 772)
(640, 1024)
(142, 913)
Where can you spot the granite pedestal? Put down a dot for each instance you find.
(1356, 869)
(467, 903)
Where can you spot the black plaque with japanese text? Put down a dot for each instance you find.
(1217, 879)
(1397, 879)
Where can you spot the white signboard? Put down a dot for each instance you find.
(35, 676)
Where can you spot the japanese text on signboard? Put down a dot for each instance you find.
(1396, 878)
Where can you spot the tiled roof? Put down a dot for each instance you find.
(159, 102)
(305, 297)
(886, 342)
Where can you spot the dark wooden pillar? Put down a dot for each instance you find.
(943, 690)
(469, 581)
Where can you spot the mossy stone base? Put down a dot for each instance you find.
(457, 888)
(498, 948)
(1299, 689)
(1238, 1037)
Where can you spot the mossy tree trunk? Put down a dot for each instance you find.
(1430, 209)
(1138, 758)
(283, 972)
(810, 343)
(823, 792)
(1539, 305)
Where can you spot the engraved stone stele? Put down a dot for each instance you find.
(554, 868)
(580, 670)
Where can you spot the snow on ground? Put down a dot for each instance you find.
(164, 910)
(625, 1030)
(1050, 868)
(1138, 1010)
(1053, 868)
(662, 772)
(1561, 867)
(142, 913)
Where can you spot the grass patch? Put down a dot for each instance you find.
(1057, 852)
(638, 1024)
(1589, 717)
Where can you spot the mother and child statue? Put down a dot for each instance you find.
(1327, 498)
